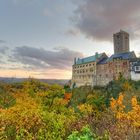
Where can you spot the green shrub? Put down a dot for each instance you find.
(86, 134)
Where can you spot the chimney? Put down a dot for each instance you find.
(75, 61)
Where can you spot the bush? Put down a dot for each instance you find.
(86, 134)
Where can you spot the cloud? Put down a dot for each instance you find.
(72, 32)
(99, 19)
(3, 49)
(2, 41)
(3, 55)
(38, 58)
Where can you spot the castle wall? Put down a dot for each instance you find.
(84, 74)
(104, 74)
(100, 72)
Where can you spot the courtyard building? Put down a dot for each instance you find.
(99, 69)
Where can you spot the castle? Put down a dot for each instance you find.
(99, 69)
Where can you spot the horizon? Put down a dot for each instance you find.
(40, 39)
(30, 78)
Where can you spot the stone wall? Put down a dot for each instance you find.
(84, 74)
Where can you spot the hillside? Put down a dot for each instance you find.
(36, 110)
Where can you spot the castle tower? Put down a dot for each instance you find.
(121, 42)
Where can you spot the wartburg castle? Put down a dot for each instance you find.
(99, 69)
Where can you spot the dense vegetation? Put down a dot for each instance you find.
(32, 110)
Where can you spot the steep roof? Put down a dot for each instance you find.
(103, 61)
(126, 55)
(92, 58)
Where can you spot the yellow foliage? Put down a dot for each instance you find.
(126, 86)
(133, 116)
(64, 102)
(25, 114)
(117, 105)
(85, 108)
(90, 96)
(134, 101)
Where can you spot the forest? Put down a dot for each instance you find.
(33, 110)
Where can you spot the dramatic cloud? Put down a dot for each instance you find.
(99, 19)
(33, 58)
(3, 49)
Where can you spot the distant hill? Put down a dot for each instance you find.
(49, 81)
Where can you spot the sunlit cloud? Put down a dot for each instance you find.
(28, 61)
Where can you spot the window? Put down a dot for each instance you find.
(91, 69)
(137, 68)
(118, 36)
(124, 63)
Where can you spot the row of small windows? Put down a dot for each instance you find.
(89, 76)
(83, 77)
(106, 75)
(81, 66)
(83, 71)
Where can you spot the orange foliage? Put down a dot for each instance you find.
(133, 116)
(117, 105)
(67, 96)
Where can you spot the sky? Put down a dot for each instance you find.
(41, 38)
